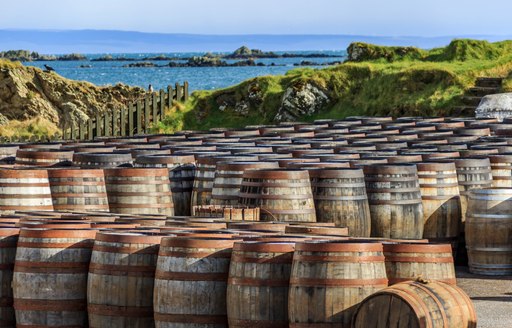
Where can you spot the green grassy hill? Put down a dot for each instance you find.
(376, 80)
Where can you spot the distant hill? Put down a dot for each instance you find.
(108, 41)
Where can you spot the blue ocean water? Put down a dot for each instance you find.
(199, 78)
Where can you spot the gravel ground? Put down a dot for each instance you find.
(492, 297)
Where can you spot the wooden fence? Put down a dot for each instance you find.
(135, 120)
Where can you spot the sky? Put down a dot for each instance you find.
(352, 17)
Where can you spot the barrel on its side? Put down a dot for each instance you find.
(489, 231)
(416, 305)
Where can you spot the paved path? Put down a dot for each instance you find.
(492, 297)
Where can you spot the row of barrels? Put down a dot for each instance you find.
(192, 278)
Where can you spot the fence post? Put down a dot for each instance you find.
(73, 131)
(82, 129)
(138, 117)
(106, 124)
(185, 91)
(98, 125)
(114, 122)
(90, 133)
(147, 112)
(162, 105)
(170, 95)
(130, 120)
(155, 109)
(122, 122)
(178, 92)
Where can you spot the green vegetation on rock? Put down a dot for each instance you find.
(376, 80)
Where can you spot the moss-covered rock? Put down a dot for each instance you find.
(360, 51)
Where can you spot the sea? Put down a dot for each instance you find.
(199, 78)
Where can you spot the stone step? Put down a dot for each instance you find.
(471, 100)
(489, 82)
(463, 111)
(483, 91)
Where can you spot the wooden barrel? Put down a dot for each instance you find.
(406, 262)
(472, 173)
(259, 276)
(8, 153)
(102, 160)
(340, 197)
(191, 282)
(78, 190)
(488, 231)
(329, 279)
(139, 191)
(121, 280)
(24, 189)
(8, 241)
(50, 277)
(282, 195)
(441, 202)
(43, 157)
(205, 176)
(416, 305)
(395, 201)
(229, 213)
(181, 175)
(228, 178)
(501, 167)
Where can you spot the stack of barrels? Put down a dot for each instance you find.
(82, 269)
(327, 209)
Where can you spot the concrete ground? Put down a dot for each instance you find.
(492, 297)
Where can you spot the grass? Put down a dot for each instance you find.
(36, 127)
(398, 81)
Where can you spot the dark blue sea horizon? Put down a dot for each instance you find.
(200, 78)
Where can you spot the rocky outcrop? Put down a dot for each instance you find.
(301, 99)
(360, 51)
(28, 92)
(497, 106)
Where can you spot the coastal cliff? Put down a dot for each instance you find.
(47, 101)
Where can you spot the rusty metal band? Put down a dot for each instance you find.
(5, 302)
(76, 173)
(419, 248)
(501, 177)
(287, 185)
(439, 185)
(264, 247)
(279, 259)
(78, 244)
(50, 305)
(8, 244)
(338, 247)
(7, 266)
(99, 183)
(192, 276)
(120, 311)
(277, 197)
(338, 259)
(125, 249)
(395, 202)
(79, 195)
(218, 244)
(51, 267)
(341, 185)
(122, 270)
(271, 211)
(26, 208)
(340, 198)
(193, 318)
(263, 282)
(414, 189)
(395, 280)
(245, 323)
(21, 184)
(329, 282)
(419, 259)
(199, 255)
(419, 307)
(441, 197)
(314, 325)
(25, 196)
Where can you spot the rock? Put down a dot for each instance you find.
(73, 56)
(360, 51)
(496, 106)
(141, 64)
(302, 99)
